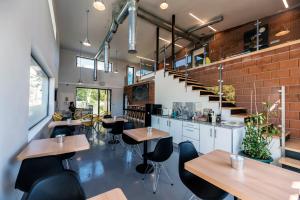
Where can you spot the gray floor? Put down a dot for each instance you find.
(103, 168)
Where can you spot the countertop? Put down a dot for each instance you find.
(222, 125)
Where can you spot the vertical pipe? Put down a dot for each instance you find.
(132, 15)
(282, 91)
(165, 55)
(220, 87)
(257, 34)
(106, 57)
(173, 41)
(157, 48)
(95, 69)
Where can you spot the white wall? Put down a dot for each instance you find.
(69, 76)
(25, 26)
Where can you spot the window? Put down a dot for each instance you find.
(89, 63)
(130, 75)
(38, 94)
(182, 62)
(143, 72)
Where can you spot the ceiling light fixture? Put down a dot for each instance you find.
(86, 41)
(286, 5)
(201, 21)
(143, 58)
(99, 5)
(168, 41)
(164, 5)
(282, 33)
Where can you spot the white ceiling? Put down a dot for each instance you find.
(71, 19)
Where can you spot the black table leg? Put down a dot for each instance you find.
(145, 167)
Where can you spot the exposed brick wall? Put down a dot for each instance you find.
(268, 70)
(151, 97)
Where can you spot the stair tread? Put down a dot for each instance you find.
(290, 162)
(292, 145)
(240, 115)
(234, 108)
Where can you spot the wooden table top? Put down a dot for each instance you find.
(256, 181)
(64, 123)
(140, 134)
(114, 194)
(49, 146)
(111, 120)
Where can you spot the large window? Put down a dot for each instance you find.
(89, 63)
(98, 100)
(182, 62)
(130, 75)
(38, 94)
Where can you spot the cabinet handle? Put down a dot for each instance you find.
(215, 133)
(210, 132)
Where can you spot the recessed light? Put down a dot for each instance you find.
(143, 58)
(201, 21)
(164, 5)
(99, 5)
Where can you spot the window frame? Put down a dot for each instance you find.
(84, 57)
(48, 93)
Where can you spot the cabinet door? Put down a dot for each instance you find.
(194, 142)
(223, 139)
(176, 130)
(206, 138)
(155, 122)
(164, 124)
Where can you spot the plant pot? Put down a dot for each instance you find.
(268, 161)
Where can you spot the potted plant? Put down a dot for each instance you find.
(259, 134)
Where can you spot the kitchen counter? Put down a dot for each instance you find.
(222, 125)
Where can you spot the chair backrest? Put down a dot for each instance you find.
(118, 127)
(163, 149)
(62, 130)
(187, 152)
(128, 125)
(62, 186)
(107, 116)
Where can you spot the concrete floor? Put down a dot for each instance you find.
(103, 168)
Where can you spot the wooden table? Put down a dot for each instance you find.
(53, 124)
(49, 146)
(256, 181)
(140, 135)
(115, 194)
(112, 121)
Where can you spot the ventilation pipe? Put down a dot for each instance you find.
(132, 15)
(106, 57)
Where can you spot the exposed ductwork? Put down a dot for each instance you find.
(106, 57)
(132, 15)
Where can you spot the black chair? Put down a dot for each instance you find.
(129, 141)
(67, 131)
(117, 129)
(62, 186)
(33, 169)
(107, 126)
(107, 116)
(162, 152)
(198, 186)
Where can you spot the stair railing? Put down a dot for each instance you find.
(282, 108)
(186, 70)
(220, 81)
(165, 54)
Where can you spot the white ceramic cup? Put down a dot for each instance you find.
(149, 130)
(237, 162)
(69, 121)
(60, 138)
(115, 118)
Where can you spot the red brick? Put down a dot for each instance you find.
(292, 98)
(280, 74)
(295, 124)
(289, 81)
(289, 64)
(295, 53)
(264, 60)
(295, 72)
(295, 46)
(263, 76)
(249, 63)
(295, 89)
(294, 106)
(280, 56)
(255, 69)
(271, 83)
(282, 49)
(270, 67)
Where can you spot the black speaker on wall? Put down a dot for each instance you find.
(151, 109)
(55, 95)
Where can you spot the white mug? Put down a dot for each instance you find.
(115, 118)
(60, 138)
(149, 130)
(69, 121)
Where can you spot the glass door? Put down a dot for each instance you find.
(98, 101)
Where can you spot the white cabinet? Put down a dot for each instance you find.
(206, 139)
(223, 139)
(155, 121)
(164, 124)
(194, 142)
(176, 130)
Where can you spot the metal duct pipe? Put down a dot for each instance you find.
(132, 14)
(106, 57)
(211, 22)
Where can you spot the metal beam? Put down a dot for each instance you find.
(201, 26)
(173, 41)
(157, 48)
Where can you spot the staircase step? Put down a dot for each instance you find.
(290, 162)
(176, 72)
(240, 115)
(188, 79)
(198, 87)
(215, 97)
(236, 110)
(293, 145)
(228, 104)
(209, 93)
